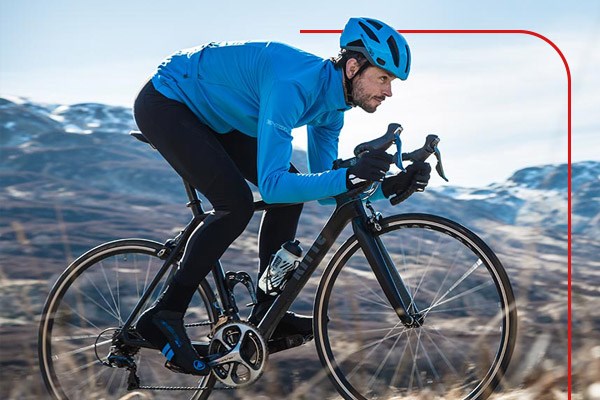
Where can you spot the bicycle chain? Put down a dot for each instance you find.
(203, 323)
(183, 388)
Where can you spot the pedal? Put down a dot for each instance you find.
(285, 343)
(201, 348)
(174, 368)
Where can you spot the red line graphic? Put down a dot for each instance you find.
(569, 184)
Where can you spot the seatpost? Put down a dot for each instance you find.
(194, 202)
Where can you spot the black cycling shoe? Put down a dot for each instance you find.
(291, 324)
(164, 329)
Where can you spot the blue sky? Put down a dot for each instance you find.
(497, 101)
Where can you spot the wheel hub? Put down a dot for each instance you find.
(119, 355)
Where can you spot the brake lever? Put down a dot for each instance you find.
(398, 142)
(430, 147)
(438, 167)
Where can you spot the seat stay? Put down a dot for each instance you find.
(168, 264)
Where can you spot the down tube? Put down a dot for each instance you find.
(338, 220)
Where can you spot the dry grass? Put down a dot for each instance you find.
(538, 370)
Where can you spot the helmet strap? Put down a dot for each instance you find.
(348, 90)
(348, 86)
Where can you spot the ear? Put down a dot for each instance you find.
(352, 67)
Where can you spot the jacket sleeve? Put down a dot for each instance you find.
(323, 143)
(281, 107)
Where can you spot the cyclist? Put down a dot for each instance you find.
(223, 113)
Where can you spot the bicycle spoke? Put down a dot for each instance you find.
(112, 313)
(485, 306)
(441, 353)
(110, 292)
(424, 273)
(427, 356)
(459, 295)
(82, 349)
(358, 313)
(83, 318)
(381, 302)
(81, 367)
(396, 376)
(382, 363)
(93, 378)
(458, 282)
(56, 339)
(376, 343)
(415, 369)
(118, 305)
(449, 270)
(147, 278)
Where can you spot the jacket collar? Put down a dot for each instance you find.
(334, 97)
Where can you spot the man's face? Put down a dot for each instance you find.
(370, 88)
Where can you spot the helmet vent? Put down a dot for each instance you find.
(369, 32)
(356, 43)
(376, 24)
(394, 50)
(407, 59)
(380, 61)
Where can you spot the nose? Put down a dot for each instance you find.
(387, 90)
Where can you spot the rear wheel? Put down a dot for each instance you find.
(89, 302)
(465, 343)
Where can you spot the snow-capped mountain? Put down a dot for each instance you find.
(81, 157)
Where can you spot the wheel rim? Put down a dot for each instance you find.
(462, 348)
(98, 294)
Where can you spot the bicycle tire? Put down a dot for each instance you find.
(464, 346)
(95, 294)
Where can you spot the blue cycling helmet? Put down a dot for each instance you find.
(383, 46)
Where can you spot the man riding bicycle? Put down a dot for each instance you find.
(223, 113)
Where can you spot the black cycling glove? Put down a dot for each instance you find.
(414, 179)
(370, 166)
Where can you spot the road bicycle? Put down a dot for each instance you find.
(409, 305)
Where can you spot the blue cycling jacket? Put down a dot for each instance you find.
(264, 90)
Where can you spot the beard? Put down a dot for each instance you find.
(362, 99)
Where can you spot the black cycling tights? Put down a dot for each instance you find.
(217, 165)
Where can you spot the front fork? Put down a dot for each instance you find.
(383, 267)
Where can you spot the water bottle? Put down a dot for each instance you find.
(282, 263)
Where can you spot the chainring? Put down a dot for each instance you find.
(238, 354)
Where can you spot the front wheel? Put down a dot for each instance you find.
(89, 302)
(464, 345)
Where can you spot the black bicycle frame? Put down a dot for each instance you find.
(348, 210)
